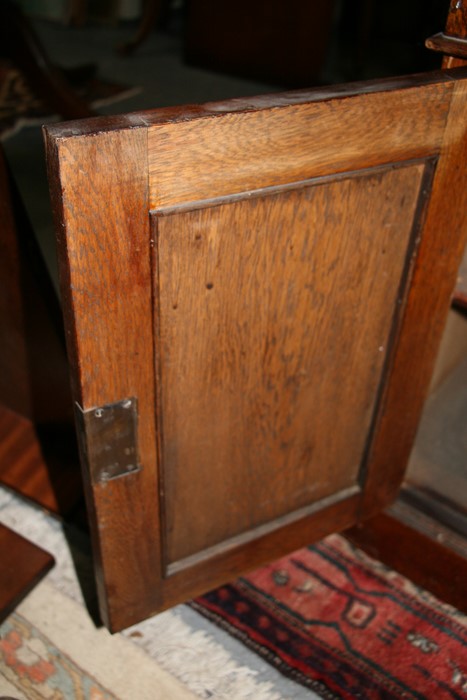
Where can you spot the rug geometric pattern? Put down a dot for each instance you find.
(335, 622)
(345, 626)
(34, 665)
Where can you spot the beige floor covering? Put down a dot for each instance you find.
(117, 664)
(175, 655)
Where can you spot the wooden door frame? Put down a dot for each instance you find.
(106, 176)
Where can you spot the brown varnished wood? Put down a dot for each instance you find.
(425, 546)
(283, 143)
(173, 115)
(225, 562)
(23, 566)
(457, 48)
(456, 24)
(456, 28)
(107, 176)
(102, 209)
(271, 408)
(442, 242)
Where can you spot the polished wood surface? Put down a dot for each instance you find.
(449, 45)
(203, 171)
(456, 28)
(38, 456)
(23, 565)
(456, 23)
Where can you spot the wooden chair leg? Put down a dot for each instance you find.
(20, 44)
(153, 10)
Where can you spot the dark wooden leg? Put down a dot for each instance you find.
(153, 10)
(19, 43)
(419, 548)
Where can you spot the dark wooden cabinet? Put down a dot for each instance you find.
(283, 43)
(254, 294)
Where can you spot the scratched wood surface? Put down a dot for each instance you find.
(274, 316)
(119, 284)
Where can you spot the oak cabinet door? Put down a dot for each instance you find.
(253, 293)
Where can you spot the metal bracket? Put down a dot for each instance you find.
(108, 436)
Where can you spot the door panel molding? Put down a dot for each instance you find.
(273, 325)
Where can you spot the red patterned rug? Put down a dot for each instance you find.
(345, 626)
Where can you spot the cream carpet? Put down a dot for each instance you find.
(51, 648)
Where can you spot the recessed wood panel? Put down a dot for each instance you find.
(273, 323)
(200, 511)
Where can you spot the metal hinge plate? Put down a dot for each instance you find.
(108, 436)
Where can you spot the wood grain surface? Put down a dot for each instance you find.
(274, 316)
(442, 243)
(290, 142)
(456, 27)
(268, 415)
(102, 218)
